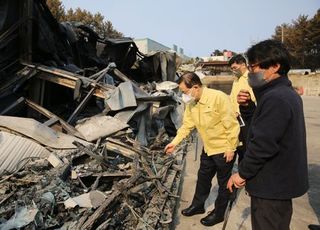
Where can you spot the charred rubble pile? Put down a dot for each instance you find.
(83, 124)
(92, 187)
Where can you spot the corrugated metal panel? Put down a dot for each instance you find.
(14, 148)
(100, 126)
(39, 132)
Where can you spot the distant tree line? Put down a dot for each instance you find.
(96, 21)
(302, 38)
(220, 53)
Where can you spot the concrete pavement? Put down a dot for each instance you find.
(306, 209)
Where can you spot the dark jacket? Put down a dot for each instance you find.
(275, 162)
(246, 114)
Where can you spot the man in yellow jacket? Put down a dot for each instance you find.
(238, 65)
(210, 112)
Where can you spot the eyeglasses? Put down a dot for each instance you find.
(252, 66)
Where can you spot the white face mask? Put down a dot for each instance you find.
(187, 98)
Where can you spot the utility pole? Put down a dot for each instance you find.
(282, 34)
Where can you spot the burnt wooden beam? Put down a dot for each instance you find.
(7, 197)
(86, 150)
(120, 75)
(106, 174)
(150, 217)
(113, 174)
(18, 79)
(68, 79)
(136, 149)
(70, 83)
(77, 89)
(170, 204)
(70, 129)
(80, 106)
(25, 31)
(12, 106)
(120, 188)
(89, 95)
(120, 149)
(102, 72)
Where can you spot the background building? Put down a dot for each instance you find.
(147, 45)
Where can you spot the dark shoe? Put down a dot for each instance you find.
(314, 227)
(192, 210)
(211, 219)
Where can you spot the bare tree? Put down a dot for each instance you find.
(302, 38)
(96, 21)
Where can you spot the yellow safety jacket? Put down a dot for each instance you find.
(215, 121)
(238, 84)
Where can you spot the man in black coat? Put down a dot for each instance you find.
(274, 167)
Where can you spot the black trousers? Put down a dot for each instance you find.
(270, 214)
(209, 167)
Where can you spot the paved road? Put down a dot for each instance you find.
(306, 209)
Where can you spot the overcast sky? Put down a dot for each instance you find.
(199, 26)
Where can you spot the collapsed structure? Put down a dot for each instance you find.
(83, 124)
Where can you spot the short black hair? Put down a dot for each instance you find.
(238, 59)
(269, 53)
(190, 79)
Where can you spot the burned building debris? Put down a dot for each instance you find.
(84, 121)
(109, 184)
